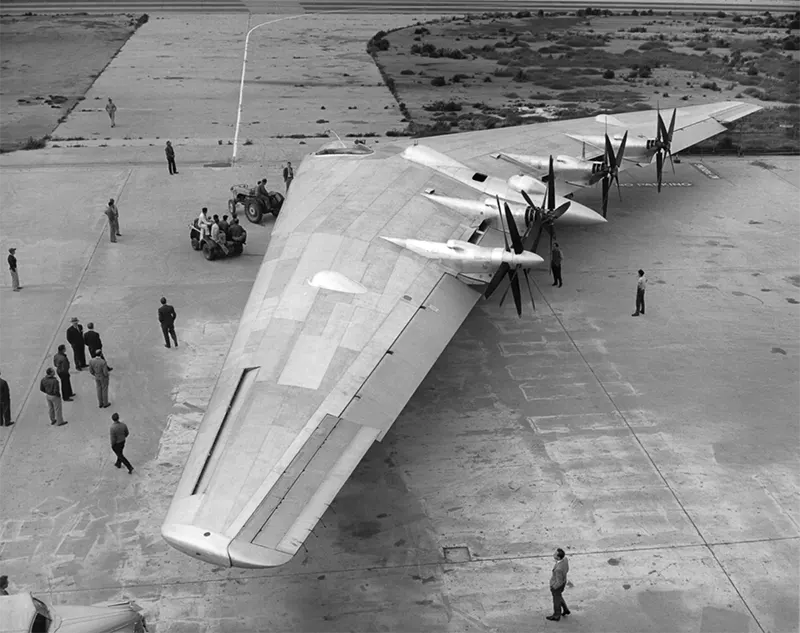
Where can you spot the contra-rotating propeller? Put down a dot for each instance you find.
(611, 165)
(518, 245)
(545, 215)
(663, 145)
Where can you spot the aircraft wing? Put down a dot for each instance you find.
(317, 373)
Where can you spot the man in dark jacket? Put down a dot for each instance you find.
(92, 340)
(75, 340)
(238, 234)
(49, 387)
(61, 363)
(170, 152)
(166, 317)
(5, 404)
(119, 433)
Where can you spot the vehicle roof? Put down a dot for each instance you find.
(16, 613)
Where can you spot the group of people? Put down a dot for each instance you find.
(220, 230)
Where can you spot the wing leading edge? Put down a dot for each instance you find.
(315, 376)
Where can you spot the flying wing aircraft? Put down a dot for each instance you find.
(363, 285)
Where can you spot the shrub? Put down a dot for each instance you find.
(406, 72)
(458, 77)
(752, 71)
(487, 79)
(710, 85)
(609, 74)
(438, 82)
(143, 19)
(645, 72)
(36, 143)
(443, 106)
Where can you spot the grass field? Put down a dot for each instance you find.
(48, 64)
(499, 71)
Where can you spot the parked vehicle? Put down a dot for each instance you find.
(26, 613)
(212, 250)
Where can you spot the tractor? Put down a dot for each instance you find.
(254, 206)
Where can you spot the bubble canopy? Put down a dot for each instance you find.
(339, 148)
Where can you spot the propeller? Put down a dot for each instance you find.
(611, 165)
(545, 215)
(518, 246)
(663, 145)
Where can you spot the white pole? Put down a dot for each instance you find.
(244, 68)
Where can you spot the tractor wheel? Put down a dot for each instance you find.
(254, 211)
(232, 206)
(195, 244)
(209, 251)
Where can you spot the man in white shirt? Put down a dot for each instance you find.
(641, 284)
(203, 222)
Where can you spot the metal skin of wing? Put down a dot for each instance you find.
(341, 326)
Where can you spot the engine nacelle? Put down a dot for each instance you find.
(526, 183)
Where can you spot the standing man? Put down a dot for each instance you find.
(99, 369)
(555, 263)
(12, 267)
(119, 432)
(166, 317)
(113, 220)
(75, 339)
(288, 175)
(5, 404)
(61, 363)
(112, 111)
(224, 226)
(170, 158)
(641, 284)
(49, 387)
(558, 582)
(92, 340)
(3, 585)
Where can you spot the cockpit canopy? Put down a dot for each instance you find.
(340, 148)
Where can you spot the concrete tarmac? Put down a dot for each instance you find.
(660, 452)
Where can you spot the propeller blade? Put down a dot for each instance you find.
(511, 277)
(671, 127)
(621, 151)
(551, 187)
(502, 226)
(619, 190)
(515, 290)
(559, 212)
(516, 242)
(535, 245)
(609, 159)
(530, 292)
(659, 168)
(662, 131)
(669, 153)
(496, 280)
(527, 199)
(606, 182)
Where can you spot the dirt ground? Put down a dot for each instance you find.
(47, 63)
(488, 72)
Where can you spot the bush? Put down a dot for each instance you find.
(438, 82)
(487, 79)
(710, 85)
(609, 74)
(143, 19)
(458, 77)
(752, 71)
(645, 72)
(443, 106)
(36, 143)
(406, 72)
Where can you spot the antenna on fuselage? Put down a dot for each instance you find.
(337, 137)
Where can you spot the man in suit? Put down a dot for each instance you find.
(288, 176)
(119, 433)
(49, 387)
(61, 363)
(5, 404)
(12, 267)
(170, 152)
(166, 317)
(75, 340)
(99, 369)
(556, 258)
(558, 582)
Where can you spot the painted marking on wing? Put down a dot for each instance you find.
(705, 171)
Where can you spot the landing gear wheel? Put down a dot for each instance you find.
(208, 252)
(254, 211)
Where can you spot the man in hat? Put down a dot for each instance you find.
(99, 369)
(5, 404)
(75, 339)
(49, 387)
(113, 220)
(170, 152)
(119, 433)
(61, 363)
(12, 267)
